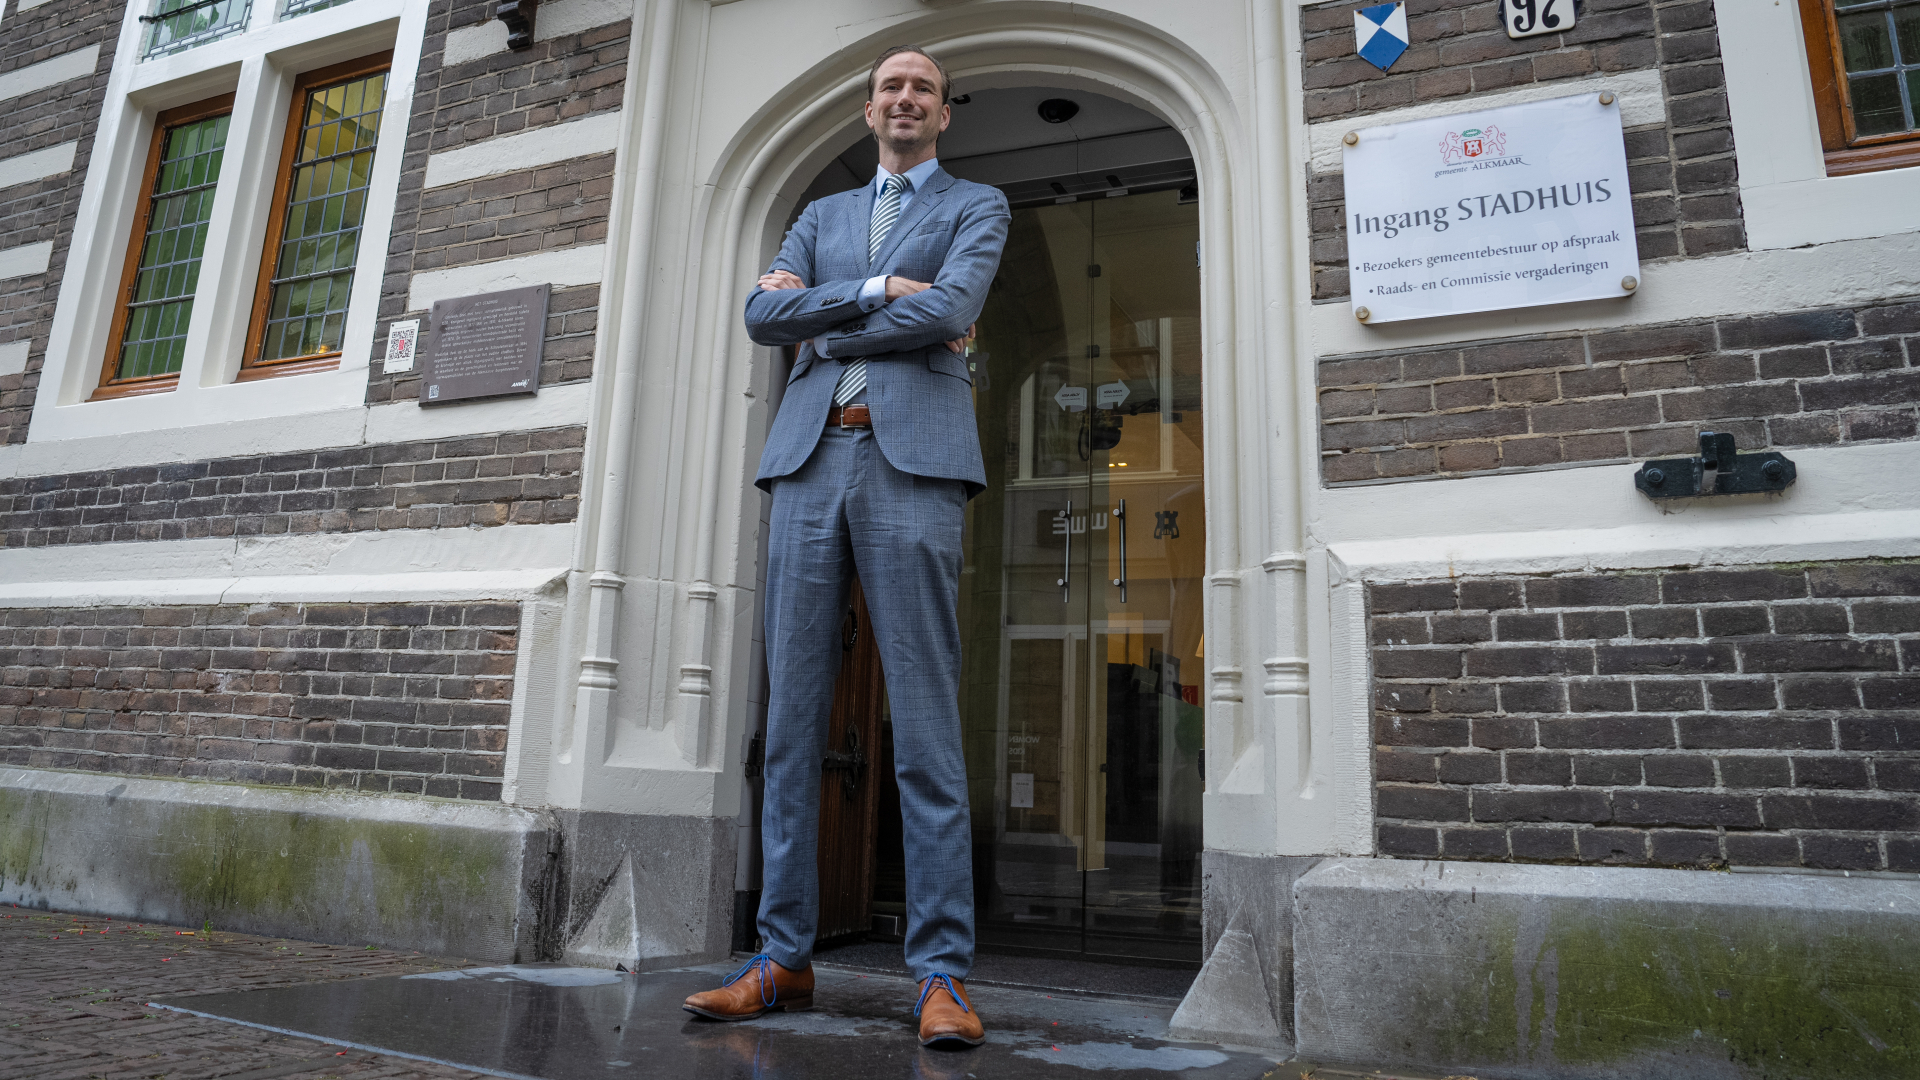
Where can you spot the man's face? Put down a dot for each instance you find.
(906, 111)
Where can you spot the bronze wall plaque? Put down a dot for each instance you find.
(484, 346)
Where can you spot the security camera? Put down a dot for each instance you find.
(1058, 110)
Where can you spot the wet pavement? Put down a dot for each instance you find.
(548, 1022)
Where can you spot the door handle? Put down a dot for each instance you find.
(1066, 567)
(1120, 515)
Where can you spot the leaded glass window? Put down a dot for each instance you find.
(182, 24)
(314, 253)
(1879, 44)
(302, 7)
(160, 301)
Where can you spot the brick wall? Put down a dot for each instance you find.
(398, 697)
(478, 481)
(1686, 199)
(496, 217)
(1759, 716)
(46, 209)
(1806, 378)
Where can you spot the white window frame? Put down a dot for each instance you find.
(1785, 192)
(259, 66)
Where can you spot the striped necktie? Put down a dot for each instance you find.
(886, 211)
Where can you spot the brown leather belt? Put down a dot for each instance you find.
(855, 416)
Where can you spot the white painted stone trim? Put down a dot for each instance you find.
(26, 259)
(1642, 101)
(13, 357)
(73, 65)
(402, 421)
(1841, 490)
(1785, 192)
(312, 557)
(553, 406)
(1894, 534)
(38, 165)
(561, 268)
(343, 589)
(596, 134)
(1738, 283)
(352, 805)
(556, 19)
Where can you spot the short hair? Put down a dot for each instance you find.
(946, 80)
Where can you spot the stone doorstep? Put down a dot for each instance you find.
(571, 1021)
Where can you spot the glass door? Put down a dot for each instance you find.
(1081, 595)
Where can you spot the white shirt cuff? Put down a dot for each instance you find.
(820, 347)
(873, 294)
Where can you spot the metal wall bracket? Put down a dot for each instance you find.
(1719, 470)
(518, 15)
(851, 763)
(756, 762)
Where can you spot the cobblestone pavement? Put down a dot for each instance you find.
(73, 991)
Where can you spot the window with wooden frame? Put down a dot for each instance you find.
(149, 340)
(1865, 59)
(320, 203)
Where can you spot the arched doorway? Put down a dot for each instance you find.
(1081, 607)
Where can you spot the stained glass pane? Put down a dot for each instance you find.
(1876, 104)
(1906, 21)
(182, 24)
(1865, 44)
(178, 210)
(313, 271)
(301, 7)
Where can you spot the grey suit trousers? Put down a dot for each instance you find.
(847, 511)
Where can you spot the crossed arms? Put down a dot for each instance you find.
(782, 310)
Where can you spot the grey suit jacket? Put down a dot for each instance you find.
(921, 395)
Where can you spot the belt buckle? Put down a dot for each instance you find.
(843, 415)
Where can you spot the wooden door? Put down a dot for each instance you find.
(849, 780)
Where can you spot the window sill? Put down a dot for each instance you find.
(115, 391)
(1864, 159)
(306, 365)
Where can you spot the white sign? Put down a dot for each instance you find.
(402, 340)
(1503, 208)
(1022, 784)
(1107, 395)
(1072, 398)
(1526, 18)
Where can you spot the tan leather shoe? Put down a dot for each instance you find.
(760, 986)
(946, 1015)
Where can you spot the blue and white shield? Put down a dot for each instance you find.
(1380, 33)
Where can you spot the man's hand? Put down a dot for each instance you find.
(958, 346)
(782, 279)
(900, 288)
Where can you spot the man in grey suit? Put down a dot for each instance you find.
(871, 461)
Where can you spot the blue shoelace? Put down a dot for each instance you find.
(927, 990)
(767, 992)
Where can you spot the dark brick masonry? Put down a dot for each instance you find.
(1685, 184)
(45, 209)
(523, 478)
(495, 217)
(1806, 378)
(372, 697)
(1754, 716)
